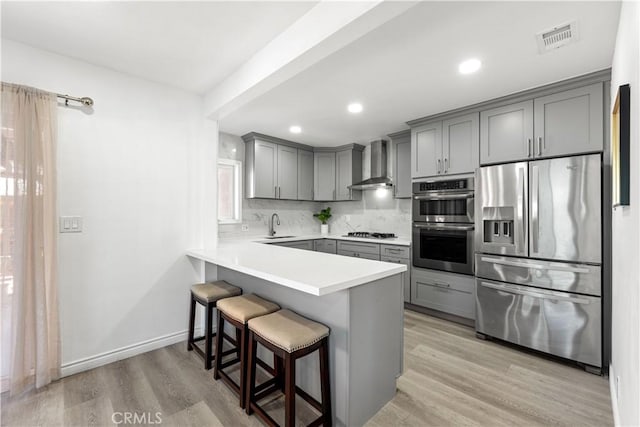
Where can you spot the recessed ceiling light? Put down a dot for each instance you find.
(354, 107)
(469, 66)
(295, 129)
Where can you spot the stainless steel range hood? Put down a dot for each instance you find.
(379, 178)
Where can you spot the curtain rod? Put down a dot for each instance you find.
(86, 101)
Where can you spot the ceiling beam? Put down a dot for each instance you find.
(325, 29)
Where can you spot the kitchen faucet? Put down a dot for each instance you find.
(272, 232)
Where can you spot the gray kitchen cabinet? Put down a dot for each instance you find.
(569, 122)
(445, 292)
(360, 255)
(401, 170)
(399, 255)
(506, 133)
(324, 173)
(348, 172)
(305, 175)
(445, 147)
(559, 124)
(300, 244)
(265, 166)
(426, 149)
(460, 144)
(372, 249)
(326, 245)
(287, 167)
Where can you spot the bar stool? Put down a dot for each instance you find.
(207, 295)
(237, 311)
(289, 336)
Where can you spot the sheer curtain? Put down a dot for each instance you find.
(30, 323)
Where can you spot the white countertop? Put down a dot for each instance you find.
(315, 273)
(399, 241)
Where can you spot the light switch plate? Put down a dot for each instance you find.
(71, 224)
(245, 227)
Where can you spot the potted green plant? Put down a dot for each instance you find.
(324, 216)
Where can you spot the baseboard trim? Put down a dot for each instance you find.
(107, 357)
(614, 396)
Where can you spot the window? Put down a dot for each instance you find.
(229, 191)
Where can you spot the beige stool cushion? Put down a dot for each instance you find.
(214, 291)
(245, 307)
(288, 330)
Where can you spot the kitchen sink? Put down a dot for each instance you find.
(278, 237)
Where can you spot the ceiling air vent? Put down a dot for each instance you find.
(556, 37)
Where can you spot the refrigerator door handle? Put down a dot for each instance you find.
(535, 294)
(535, 208)
(521, 240)
(536, 266)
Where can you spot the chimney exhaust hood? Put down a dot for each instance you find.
(379, 178)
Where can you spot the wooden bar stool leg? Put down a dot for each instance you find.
(208, 337)
(251, 373)
(192, 319)
(289, 391)
(241, 339)
(279, 371)
(325, 384)
(219, 337)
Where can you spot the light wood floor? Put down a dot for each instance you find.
(451, 378)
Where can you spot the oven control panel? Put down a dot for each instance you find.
(457, 184)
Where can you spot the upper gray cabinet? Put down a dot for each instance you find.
(324, 175)
(287, 185)
(445, 147)
(569, 122)
(401, 164)
(264, 178)
(305, 175)
(426, 149)
(271, 167)
(460, 144)
(563, 123)
(334, 170)
(348, 172)
(506, 133)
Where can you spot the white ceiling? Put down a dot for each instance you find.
(407, 68)
(190, 45)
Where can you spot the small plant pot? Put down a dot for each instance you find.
(324, 229)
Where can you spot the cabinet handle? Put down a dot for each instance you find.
(442, 285)
(275, 190)
(539, 146)
(446, 165)
(438, 165)
(529, 147)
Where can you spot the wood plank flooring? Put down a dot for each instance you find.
(451, 378)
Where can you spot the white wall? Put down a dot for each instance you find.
(625, 357)
(136, 171)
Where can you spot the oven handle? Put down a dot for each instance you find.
(458, 227)
(445, 196)
(535, 294)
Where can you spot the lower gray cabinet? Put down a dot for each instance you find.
(445, 292)
(407, 274)
(328, 246)
(360, 248)
(359, 255)
(301, 244)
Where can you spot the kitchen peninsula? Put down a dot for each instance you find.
(360, 300)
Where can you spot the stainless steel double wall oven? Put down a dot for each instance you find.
(443, 225)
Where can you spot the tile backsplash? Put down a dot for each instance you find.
(377, 211)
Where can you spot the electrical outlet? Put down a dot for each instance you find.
(618, 387)
(245, 227)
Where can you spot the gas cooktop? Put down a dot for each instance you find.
(367, 235)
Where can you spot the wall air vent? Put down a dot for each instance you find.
(556, 37)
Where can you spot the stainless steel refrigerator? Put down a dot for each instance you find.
(539, 253)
